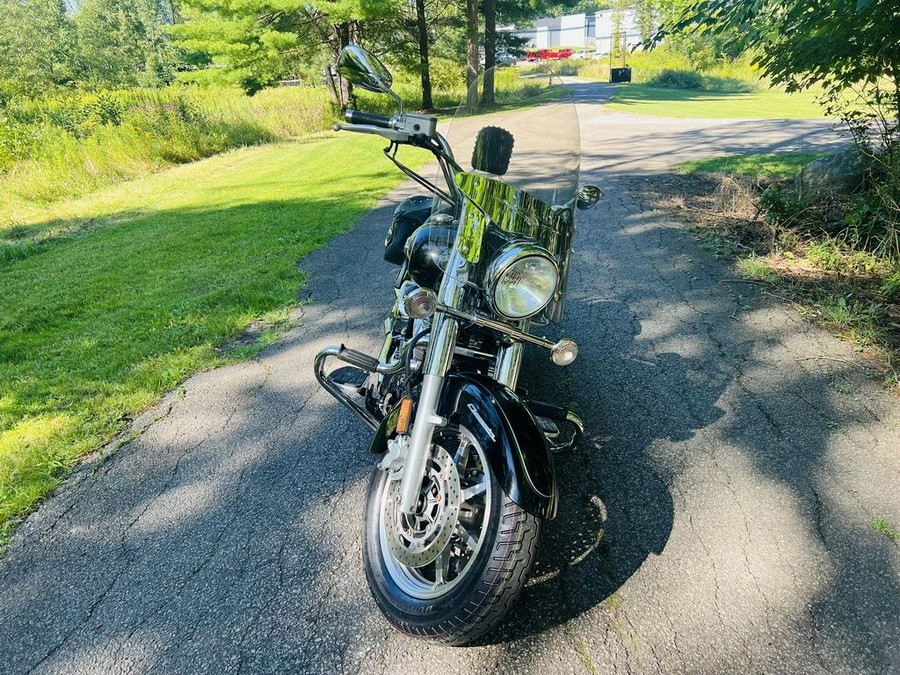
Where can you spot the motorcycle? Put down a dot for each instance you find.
(465, 476)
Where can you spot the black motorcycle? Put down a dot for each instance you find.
(465, 475)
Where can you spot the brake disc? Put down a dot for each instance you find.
(418, 539)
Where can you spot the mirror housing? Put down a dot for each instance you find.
(588, 196)
(363, 69)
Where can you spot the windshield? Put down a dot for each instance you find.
(532, 123)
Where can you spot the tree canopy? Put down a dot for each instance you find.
(799, 43)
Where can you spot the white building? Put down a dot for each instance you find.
(582, 31)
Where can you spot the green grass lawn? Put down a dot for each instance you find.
(112, 300)
(763, 104)
(779, 166)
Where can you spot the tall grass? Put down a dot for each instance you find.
(71, 144)
(737, 75)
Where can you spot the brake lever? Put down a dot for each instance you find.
(390, 134)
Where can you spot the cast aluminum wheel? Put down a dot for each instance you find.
(449, 571)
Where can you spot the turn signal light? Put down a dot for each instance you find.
(403, 418)
(420, 303)
(564, 352)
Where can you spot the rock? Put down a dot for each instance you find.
(837, 173)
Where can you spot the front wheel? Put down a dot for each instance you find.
(451, 571)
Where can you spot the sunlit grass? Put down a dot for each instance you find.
(679, 103)
(778, 166)
(128, 292)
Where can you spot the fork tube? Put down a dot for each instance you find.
(508, 365)
(437, 362)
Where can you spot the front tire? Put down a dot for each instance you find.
(452, 571)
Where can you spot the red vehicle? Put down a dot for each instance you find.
(548, 54)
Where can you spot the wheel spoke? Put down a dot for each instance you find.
(473, 490)
(442, 566)
(462, 454)
(470, 540)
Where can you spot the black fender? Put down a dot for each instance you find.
(504, 426)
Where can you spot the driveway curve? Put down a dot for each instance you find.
(715, 519)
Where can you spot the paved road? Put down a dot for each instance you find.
(734, 459)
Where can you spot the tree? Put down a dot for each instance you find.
(412, 33)
(255, 43)
(424, 68)
(124, 43)
(509, 11)
(647, 13)
(37, 45)
(472, 54)
(799, 43)
(490, 50)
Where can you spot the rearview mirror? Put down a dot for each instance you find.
(588, 196)
(363, 69)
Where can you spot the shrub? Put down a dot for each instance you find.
(678, 79)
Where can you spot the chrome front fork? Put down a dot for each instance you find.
(441, 345)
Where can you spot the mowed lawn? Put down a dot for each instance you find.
(642, 99)
(108, 302)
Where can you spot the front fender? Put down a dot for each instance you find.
(506, 429)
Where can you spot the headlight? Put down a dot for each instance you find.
(521, 280)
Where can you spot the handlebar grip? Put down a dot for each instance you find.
(358, 359)
(357, 117)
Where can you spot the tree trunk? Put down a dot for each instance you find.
(472, 54)
(422, 28)
(490, 50)
(341, 89)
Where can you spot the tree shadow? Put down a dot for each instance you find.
(615, 506)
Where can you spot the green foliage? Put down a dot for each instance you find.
(71, 144)
(831, 255)
(254, 43)
(678, 79)
(883, 526)
(726, 75)
(756, 268)
(835, 42)
(849, 48)
(859, 318)
(785, 208)
(37, 46)
(123, 43)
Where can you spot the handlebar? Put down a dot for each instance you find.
(357, 117)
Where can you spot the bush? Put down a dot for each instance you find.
(678, 79)
(736, 75)
(867, 221)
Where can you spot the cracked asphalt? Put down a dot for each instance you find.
(715, 519)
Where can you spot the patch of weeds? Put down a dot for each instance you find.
(883, 526)
(614, 603)
(756, 268)
(824, 255)
(858, 319)
(891, 285)
(828, 254)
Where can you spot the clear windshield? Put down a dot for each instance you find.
(535, 127)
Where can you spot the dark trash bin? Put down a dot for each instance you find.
(620, 74)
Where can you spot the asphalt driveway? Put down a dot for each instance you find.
(715, 519)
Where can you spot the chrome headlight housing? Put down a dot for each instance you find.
(521, 280)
